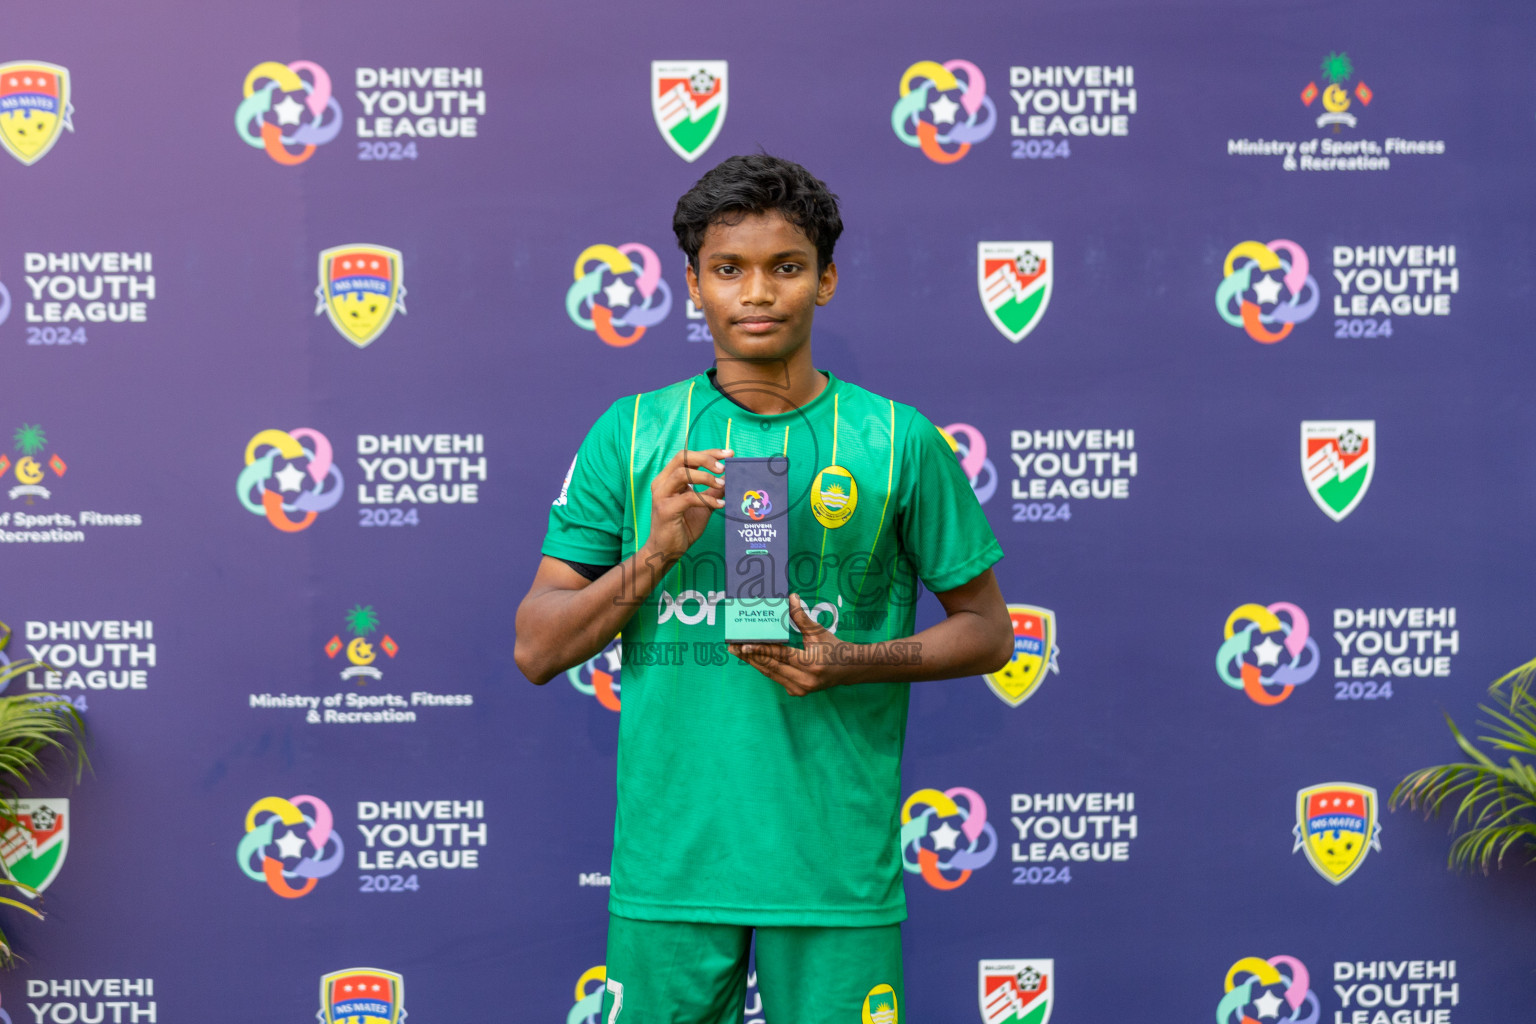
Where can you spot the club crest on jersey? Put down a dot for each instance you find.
(1034, 654)
(1015, 281)
(1016, 991)
(1336, 827)
(688, 98)
(361, 289)
(34, 108)
(33, 846)
(880, 1006)
(362, 995)
(1338, 458)
(834, 496)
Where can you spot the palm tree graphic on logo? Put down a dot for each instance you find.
(361, 620)
(1337, 68)
(30, 441)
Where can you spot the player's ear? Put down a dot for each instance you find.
(826, 287)
(692, 277)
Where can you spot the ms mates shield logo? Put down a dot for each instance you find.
(1336, 826)
(361, 289)
(34, 108)
(362, 995)
(1034, 654)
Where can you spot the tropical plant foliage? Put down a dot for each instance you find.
(30, 726)
(1495, 803)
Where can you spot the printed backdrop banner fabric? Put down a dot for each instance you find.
(305, 308)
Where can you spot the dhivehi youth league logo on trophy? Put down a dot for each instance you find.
(362, 995)
(34, 108)
(1017, 991)
(361, 290)
(688, 98)
(34, 844)
(1015, 281)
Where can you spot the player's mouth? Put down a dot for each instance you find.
(758, 324)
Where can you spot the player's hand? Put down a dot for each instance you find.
(825, 662)
(679, 512)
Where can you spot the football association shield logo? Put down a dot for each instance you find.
(688, 98)
(1338, 458)
(361, 290)
(1017, 991)
(34, 108)
(33, 847)
(1336, 827)
(1015, 282)
(1034, 654)
(362, 995)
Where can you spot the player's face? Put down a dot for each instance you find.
(758, 287)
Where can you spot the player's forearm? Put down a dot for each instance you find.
(963, 644)
(559, 628)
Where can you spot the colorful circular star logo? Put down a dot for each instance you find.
(290, 844)
(618, 288)
(943, 109)
(289, 477)
(288, 110)
(1265, 648)
(945, 836)
(1266, 289)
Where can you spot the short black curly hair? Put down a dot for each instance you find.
(743, 185)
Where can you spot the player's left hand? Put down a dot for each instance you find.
(820, 666)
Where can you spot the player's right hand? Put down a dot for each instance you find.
(679, 511)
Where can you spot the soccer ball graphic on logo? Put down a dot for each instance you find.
(1028, 263)
(43, 818)
(1350, 442)
(1029, 979)
(701, 82)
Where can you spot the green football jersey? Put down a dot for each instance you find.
(737, 803)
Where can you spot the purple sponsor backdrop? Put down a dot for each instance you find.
(151, 421)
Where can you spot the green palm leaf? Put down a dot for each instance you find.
(1495, 803)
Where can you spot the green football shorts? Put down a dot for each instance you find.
(671, 972)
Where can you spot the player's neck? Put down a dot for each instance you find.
(770, 386)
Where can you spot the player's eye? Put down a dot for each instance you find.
(789, 268)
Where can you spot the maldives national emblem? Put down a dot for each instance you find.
(1338, 458)
(361, 289)
(362, 995)
(34, 844)
(1034, 654)
(688, 98)
(1017, 991)
(34, 108)
(1015, 281)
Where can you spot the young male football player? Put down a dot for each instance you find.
(759, 784)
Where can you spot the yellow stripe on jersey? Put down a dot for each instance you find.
(821, 562)
(634, 509)
(890, 476)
